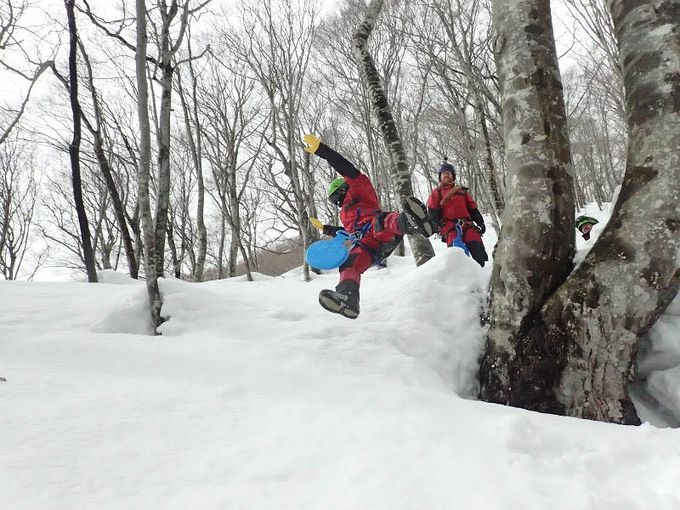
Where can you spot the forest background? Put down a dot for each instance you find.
(246, 81)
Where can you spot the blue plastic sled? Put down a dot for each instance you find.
(329, 253)
(458, 241)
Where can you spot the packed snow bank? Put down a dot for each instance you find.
(256, 398)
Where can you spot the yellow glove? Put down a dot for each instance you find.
(312, 142)
(316, 223)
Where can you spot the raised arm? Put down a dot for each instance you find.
(338, 162)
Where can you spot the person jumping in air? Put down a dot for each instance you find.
(453, 209)
(378, 232)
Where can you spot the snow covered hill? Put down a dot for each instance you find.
(256, 398)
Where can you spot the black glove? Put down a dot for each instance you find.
(478, 219)
(435, 217)
(330, 230)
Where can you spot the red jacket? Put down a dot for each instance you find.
(455, 206)
(453, 203)
(360, 204)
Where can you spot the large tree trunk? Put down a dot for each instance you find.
(536, 246)
(74, 147)
(422, 248)
(150, 271)
(577, 355)
(633, 272)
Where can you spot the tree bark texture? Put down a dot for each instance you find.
(536, 246)
(143, 175)
(74, 146)
(163, 187)
(577, 355)
(633, 272)
(422, 248)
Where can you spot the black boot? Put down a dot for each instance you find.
(343, 300)
(414, 219)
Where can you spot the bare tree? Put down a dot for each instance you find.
(195, 142)
(12, 38)
(460, 21)
(96, 127)
(422, 249)
(151, 258)
(74, 146)
(274, 48)
(18, 191)
(230, 120)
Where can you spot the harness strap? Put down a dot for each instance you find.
(449, 194)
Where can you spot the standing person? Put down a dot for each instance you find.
(451, 206)
(378, 232)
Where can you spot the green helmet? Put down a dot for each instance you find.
(337, 191)
(335, 184)
(585, 220)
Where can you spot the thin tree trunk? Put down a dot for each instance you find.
(200, 201)
(176, 259)
(422, 248)
(117, 204)
(74, 147)
(233, 255)
(220, 249)
(150, 259)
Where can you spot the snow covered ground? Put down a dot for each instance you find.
(256, 398)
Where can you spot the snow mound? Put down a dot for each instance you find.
(115, 277)
(129, 316)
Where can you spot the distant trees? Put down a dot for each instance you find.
(18, 193)
(20, 63)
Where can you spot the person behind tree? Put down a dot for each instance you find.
(449, 206)
(378, 232)
(584, 224)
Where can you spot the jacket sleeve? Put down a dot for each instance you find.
(338, 162)
(432, 202)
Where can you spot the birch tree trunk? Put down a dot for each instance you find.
(422, 248)
(150, 258)
(163, 181)
(536, 245)
(74, 146)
